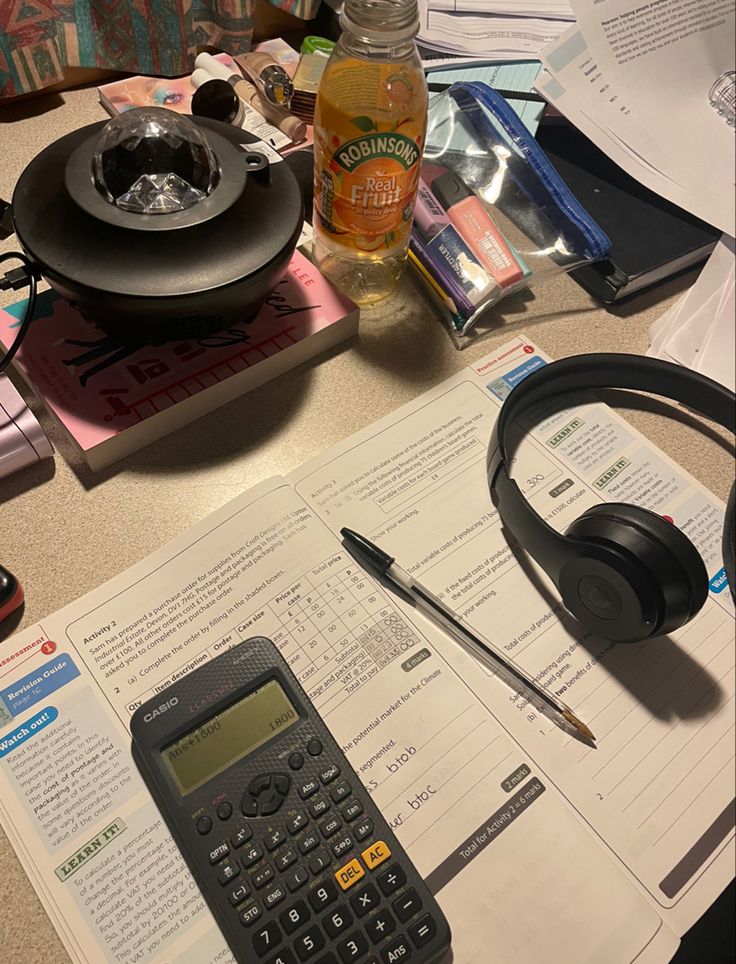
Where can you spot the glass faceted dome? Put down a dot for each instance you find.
(151, 160)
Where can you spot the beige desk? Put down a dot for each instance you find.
(65, 530)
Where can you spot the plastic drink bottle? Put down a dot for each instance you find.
(369, 128)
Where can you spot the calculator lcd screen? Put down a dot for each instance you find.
(229, 736)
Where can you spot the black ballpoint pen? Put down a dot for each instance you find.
(380, 562)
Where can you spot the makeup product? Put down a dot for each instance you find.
(306, 84)
(293, 127)
(246, 116)
(269, 77)
(476, 226)
(215, 98)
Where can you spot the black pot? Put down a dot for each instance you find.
(156, 277)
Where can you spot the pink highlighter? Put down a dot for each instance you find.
(477, 229)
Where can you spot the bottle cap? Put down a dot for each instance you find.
(450, 190)
(216, 99)
(317, 45)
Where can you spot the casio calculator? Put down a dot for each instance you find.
(291, 854)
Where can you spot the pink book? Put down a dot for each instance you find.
(112, 401)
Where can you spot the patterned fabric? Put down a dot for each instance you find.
(40, 38)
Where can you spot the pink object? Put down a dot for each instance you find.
(477, 229)
(112, 400)
(22, 440)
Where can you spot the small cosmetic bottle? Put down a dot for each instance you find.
(477, 229)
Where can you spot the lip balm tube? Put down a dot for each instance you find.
(477, 229)
(287, 123)
(268, 76)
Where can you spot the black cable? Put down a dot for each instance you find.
(30, 307)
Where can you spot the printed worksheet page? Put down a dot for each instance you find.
(658, 787)
(505, 853)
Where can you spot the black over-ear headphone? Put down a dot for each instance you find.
(623, 571)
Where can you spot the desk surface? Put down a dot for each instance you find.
(66, 530)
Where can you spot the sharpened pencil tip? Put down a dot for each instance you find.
(579, 725)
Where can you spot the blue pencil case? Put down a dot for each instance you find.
(492, 217)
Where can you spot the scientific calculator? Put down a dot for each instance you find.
(291, 854)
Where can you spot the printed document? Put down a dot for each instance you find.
(519, 830)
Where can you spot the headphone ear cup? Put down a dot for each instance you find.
(660, 553)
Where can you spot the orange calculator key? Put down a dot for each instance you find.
(349, 874)
(375, 855)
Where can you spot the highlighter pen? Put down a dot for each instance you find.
(288, 124)
(477, 229)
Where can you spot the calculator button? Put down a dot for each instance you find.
(309, 841)
(259, 878)
(297, 822)
(352, 810)
(293, 918)
(308, 788)
(340, 791)
(329, 958)
(319, 806)
(241, 836)
(365, 900)
(337, 921)
(297, 878)
(250, 914)
(390, 880)
(204, 825)
(296, 761)
(320, 860)
(249, 806)
(323, 895)
(309, 943)
(330, 827)
(266, 937)
(284, 956)
(224, 810)
(286, 858)
(423, 931)
(407, 905)
(275, 838)
(238, 894)
(380, 926)
(363, 829)
(398, 950)
(375, 855)
(330, 774)
(352, 948)
(281, 783)
(227, 872)
(342, 845)
(219, 852)
(350, 874)
(314, 748)
(274, 895)
(270, 802)
(251, 855)
(258, 784)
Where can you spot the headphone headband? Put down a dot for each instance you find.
(552, 549)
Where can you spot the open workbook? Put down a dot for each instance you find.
(537, 846)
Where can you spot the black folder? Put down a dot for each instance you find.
(651, 238)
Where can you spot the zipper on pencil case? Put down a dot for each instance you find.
(509, 120)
